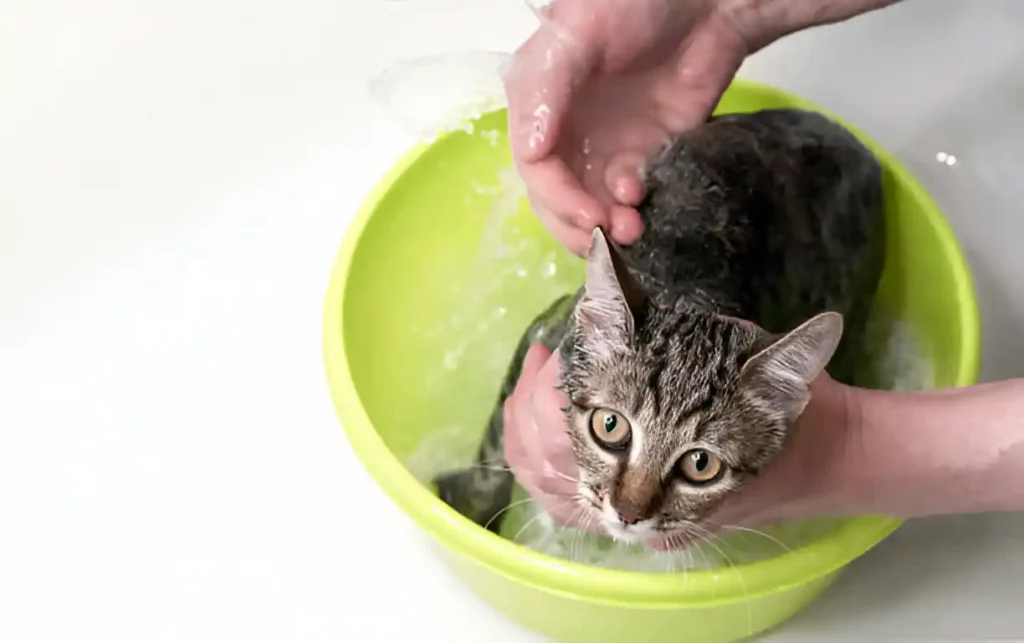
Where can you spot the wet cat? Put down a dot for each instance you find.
(688, 356)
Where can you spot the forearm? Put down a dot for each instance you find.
(764, 21)
(931, 453)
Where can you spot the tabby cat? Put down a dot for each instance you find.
(688, 356)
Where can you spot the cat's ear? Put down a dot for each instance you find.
(605, 312)
(786, 367)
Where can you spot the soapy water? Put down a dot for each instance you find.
(434, 95)
(900, 365)
(506, 257)
(506, 261)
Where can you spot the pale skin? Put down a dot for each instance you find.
(578, 145)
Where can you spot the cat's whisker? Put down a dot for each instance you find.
(540, 515)
(566, 477)
(563, 527)
(703, 554)
(690, 561)
(506, 469)
(709, 539)
(674, 542)
(491, 467)
(670, 561)
(581, 532)
(505, 509)
(497, 461)
(576, 537)
(758, 532)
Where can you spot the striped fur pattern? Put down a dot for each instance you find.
(763, 248)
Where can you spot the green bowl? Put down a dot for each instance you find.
(434, 283)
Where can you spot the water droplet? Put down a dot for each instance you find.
(491, 136)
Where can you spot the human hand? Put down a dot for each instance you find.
(539, 452)
(601, 86)
(537, 444)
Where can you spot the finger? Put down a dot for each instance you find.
(569, 236)
(517, 456)
(626, 227)
(544, 408)
(539, 84)
(566, 513)
(536, 357)
(520, 429)
(622, 178)
(544, 389)
(564, 207)
(702, 74)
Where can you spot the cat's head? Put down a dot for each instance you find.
(671, 410)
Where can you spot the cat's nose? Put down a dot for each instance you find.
(628, 517)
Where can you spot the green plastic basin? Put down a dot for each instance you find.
(419, 325)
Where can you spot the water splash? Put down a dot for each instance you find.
(436, 94)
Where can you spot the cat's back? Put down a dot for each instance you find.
(773, 216)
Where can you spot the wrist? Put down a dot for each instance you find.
(913, 454)
(803, 482)
(826, 440)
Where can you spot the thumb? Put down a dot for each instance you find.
(539, 85)
(535, 359)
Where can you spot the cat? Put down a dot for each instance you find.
(688, 356)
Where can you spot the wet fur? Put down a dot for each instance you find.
(708, 331)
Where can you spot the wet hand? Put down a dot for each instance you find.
(599, 87)
(537, 444)
(539, 452)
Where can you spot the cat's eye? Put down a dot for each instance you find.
(610, 429)
(699, 466)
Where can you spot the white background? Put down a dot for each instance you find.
(175, 178)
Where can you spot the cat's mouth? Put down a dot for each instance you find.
(623, 529)
(651, 532)
(615, 525)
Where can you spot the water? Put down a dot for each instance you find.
(509, 260)
(435, 94)
(432, 95)
(531, 527)
(900, 366)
